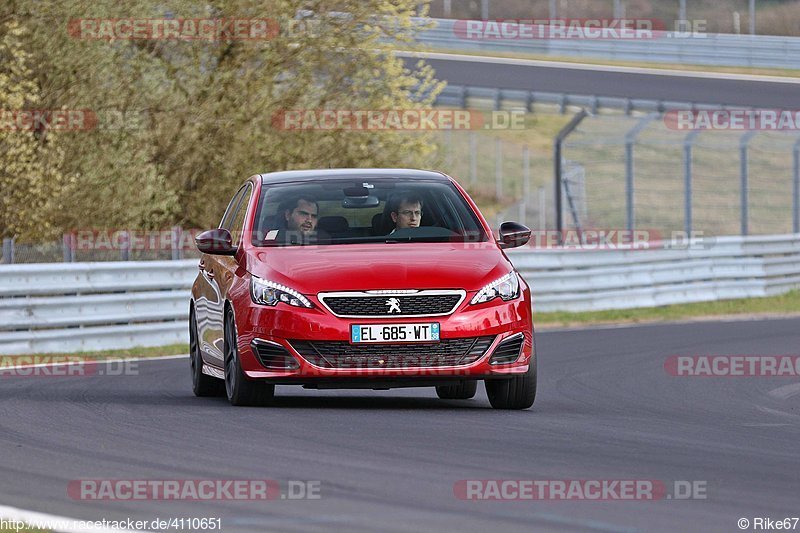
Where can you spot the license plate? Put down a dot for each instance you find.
(395, 333)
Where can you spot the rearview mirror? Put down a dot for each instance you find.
(357, 202)
(513, 234)
(215, 241)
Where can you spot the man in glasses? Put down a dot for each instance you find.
(406, 211)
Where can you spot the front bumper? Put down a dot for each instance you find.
(291, 327)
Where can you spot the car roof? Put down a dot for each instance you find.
(359, 173)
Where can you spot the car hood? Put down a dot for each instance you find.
(314, 269)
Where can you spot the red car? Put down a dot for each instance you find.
(360, 278)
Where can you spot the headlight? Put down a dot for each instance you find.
(267, 292)
(507, 288)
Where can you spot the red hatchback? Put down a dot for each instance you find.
(360, 278)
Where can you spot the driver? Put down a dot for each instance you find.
(301, 215)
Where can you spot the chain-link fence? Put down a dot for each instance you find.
(642, 173)
(507, 179)
(637, 172)
(619, 171)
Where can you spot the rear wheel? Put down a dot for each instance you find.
(518, 392)
(460, 391)
(239, 389)
(202, 384)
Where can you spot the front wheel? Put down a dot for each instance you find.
(460, 391)
(239, 389)
(518, 392)
(202, 384)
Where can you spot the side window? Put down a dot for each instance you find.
(231, 210)
(237, 221)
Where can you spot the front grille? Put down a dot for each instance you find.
(415, 305)
(273, 356)
(508, 350)
(339, 354)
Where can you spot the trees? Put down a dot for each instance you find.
(182, 122)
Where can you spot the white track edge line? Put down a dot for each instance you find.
(36, 518)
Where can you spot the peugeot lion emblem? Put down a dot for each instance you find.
(394, 305)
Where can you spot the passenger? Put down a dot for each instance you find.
(405, 210)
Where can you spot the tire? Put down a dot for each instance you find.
(518, 392)
(239, 389)
(202, 384)
(460, 391)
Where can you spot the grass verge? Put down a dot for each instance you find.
(784, 304)
(156, 351)
(753, 71)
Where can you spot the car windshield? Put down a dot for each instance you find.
(364, 210)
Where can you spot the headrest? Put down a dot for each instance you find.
(333, 224)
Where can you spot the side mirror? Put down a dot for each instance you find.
(215, 241)
(513, 234)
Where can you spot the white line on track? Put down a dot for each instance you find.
(785, 392)
(57, 523)
(599, 68)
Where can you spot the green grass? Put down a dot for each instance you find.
(172, 349)
(25, 530)
(756, 71)
(788, 303)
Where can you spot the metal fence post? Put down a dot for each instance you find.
(498, 168)
(688, 143)
(448, 151)
(473, 158)
(485, 9)
(8, 251)
(743, 180)
(125, 248)
(177, 240)
(617, 9)
(796, 187)
(68, 243)
(557, 149)
(629, 184)
(526, 182)
(542, 209)
(630, 139)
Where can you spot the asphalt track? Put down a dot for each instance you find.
(687, 87)
(388, 460)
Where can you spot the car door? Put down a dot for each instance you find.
(210, 306)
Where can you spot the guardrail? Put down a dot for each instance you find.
(487, 97)
(92, 306)
(46, 308)
(729, 267)
(706, 49)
